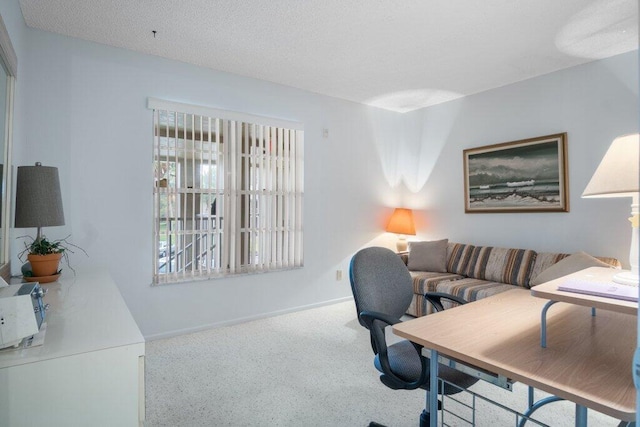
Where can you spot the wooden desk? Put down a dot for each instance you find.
(549, 290)
(588, 361)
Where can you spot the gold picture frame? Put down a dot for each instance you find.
(528, 175)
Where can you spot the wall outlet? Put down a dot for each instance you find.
(338, 274)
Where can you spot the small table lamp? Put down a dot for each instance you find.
(38, 198)
(401, 222)
(617, 176)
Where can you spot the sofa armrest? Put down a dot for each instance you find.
(404, 256)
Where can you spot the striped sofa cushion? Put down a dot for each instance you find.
(416, 302)
(458, 256)
(419, 307)
(471, 289)
(426, 281)
(478, 262)
(511, 266)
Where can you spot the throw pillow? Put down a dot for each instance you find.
(571, 264)
(428, 256)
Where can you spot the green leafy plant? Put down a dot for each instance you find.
(44, 246)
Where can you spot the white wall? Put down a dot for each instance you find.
(86, 114)
(593, 103)
(82, 109)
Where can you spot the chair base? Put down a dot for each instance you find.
(425, 418)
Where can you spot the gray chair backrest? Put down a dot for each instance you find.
(380, 281)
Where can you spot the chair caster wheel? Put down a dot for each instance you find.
(425, 418)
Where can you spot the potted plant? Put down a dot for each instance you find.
(44, 256)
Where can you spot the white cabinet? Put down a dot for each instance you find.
(90, 370)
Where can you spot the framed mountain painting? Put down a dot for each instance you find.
(529, 175)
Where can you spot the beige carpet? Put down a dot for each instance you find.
(310, 368)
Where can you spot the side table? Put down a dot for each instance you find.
(549, 290)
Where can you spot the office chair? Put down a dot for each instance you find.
(382, 289)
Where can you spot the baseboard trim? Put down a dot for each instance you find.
(237, 321)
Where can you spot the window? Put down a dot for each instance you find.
(227, 193)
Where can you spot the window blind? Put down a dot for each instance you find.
(228, 193)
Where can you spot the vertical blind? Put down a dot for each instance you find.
(228, 193)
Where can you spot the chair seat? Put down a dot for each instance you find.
(405, 362)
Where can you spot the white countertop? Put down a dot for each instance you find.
(87, 313)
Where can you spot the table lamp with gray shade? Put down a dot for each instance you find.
(618, 176)
(38, 198)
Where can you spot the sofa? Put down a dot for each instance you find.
(476, 272)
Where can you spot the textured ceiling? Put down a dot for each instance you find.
(395, 54)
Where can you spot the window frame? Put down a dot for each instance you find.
(243, 156)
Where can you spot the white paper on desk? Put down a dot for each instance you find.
(601, 289)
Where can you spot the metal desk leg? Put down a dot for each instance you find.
(433, 389)
(543, 324)
(581, 416)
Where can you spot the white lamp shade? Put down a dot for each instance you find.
(617, 174)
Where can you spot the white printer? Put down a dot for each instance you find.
(22, 312)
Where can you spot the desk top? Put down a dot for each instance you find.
(549, 290)
(87, 313)
(588, 359)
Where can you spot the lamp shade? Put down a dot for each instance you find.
(38, 198)
(401, 222)
(617, 174)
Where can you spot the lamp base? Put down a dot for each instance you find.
(626, 277)
(401, 244)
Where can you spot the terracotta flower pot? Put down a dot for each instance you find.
(44, 265)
